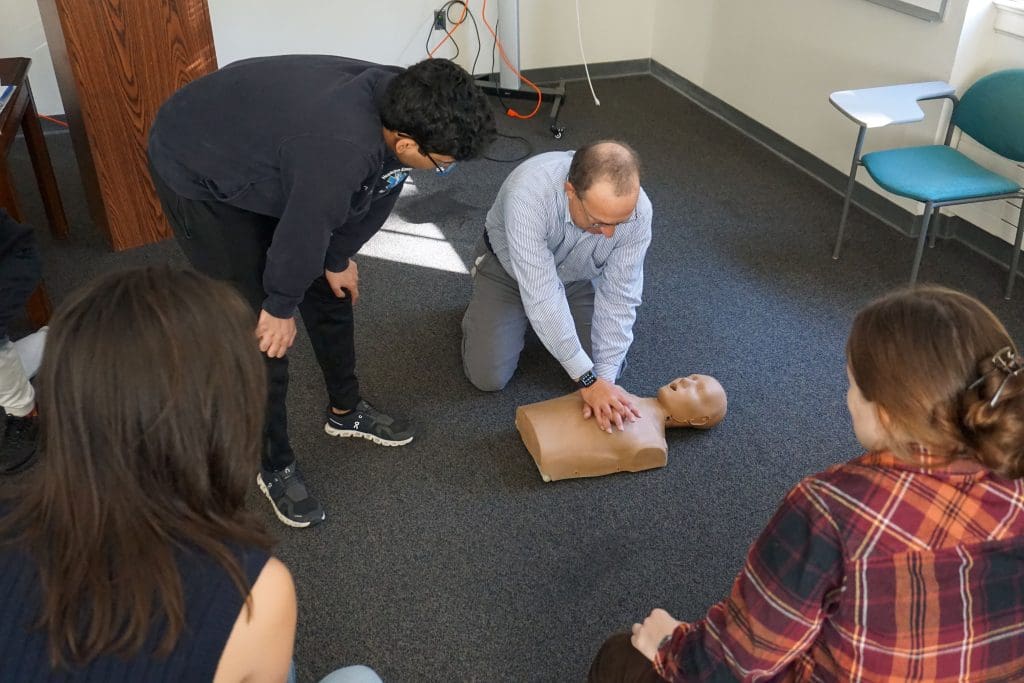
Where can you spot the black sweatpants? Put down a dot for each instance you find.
(231, 244)
(619, 662)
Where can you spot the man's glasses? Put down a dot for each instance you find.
(444, 168)
(596, 224)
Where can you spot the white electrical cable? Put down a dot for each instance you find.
(579, 34)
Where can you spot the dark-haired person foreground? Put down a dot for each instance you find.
(273, 172)
(563, 251)
(127, 554)
(905, 564)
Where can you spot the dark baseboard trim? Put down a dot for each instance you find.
(576, 72)
(981, 242)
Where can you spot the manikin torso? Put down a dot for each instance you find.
(562, 451)
(564, 445)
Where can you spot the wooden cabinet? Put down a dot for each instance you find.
(117, 61)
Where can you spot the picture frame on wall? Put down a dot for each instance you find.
(929, 10)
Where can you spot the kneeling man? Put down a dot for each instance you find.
(563, 250)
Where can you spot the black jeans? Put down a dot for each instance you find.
(619, 662)
(231, 244)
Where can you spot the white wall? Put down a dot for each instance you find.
(247, 28)
(21, 35)
(386, 32)
(778, 61)
(395, 32)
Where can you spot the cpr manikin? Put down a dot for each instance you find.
(565, 445)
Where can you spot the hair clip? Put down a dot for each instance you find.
(1006, 361)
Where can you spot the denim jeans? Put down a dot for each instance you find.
(347, 674)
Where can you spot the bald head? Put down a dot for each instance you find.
(605, 160)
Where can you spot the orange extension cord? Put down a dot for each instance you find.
(501, 50)
(53, 120)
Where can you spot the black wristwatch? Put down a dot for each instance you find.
(587, 379)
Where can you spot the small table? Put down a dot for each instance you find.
(21, 110)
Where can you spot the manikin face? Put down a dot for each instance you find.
(866, 422)
(600, 211)
(693, 401)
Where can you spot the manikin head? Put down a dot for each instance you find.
(693, 401)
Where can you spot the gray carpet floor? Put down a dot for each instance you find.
(449, 559)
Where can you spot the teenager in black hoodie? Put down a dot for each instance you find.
(273, 172)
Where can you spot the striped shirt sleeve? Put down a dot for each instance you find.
(617, 293)
(533, 267)
(778, 602)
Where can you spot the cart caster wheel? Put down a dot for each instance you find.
(557, 131)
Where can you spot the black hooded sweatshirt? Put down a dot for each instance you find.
(297, 137)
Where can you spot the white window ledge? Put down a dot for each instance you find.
(1010, 17)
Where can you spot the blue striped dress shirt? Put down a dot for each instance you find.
(536, 242)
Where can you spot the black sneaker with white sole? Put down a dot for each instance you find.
(366, 422)
(286, 490)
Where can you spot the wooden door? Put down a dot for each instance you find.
(117, 61)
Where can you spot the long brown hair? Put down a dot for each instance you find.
(151, 399)
(916, 354)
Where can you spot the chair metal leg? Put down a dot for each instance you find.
(1016, 254)
(849, 191)
(934, 229)
(929, 208)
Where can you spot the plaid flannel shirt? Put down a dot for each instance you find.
(873, 570)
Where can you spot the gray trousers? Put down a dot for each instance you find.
(494, 326)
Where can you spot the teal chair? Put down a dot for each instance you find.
(991, 112)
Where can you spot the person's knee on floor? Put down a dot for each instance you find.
(486, 378)
(485, 366)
